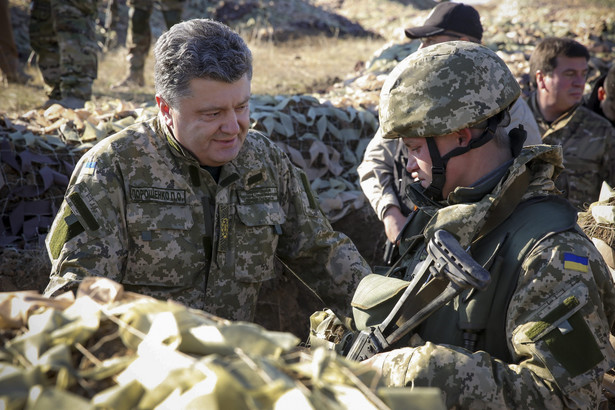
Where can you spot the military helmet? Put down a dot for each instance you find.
(443, 88)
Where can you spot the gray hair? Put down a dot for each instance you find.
(198, 48)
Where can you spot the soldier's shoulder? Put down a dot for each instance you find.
(260, 143)
(126, 142)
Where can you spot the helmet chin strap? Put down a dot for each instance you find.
(438, 162)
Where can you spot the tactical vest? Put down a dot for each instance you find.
(480, 317)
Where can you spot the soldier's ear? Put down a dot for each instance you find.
(601, 93)
(540, 80)
(165, 111)
(464, 137)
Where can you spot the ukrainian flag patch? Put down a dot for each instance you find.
(575, 262)
(90, 167)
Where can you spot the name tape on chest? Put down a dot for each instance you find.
(161, 195)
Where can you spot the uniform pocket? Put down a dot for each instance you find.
(165, 250)
(256, 239)
(560, 337)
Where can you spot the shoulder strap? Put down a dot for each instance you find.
(509, 201)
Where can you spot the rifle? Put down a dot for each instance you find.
(446, 272)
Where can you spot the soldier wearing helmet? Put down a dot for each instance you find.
(538, 335)
(381, 172)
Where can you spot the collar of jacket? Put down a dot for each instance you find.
(229, 172)
(176, 148)
(558, 124)
(465, 219)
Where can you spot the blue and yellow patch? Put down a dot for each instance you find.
(90, 167)
(575, 262)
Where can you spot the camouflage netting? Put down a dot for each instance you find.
(112, 349)
(51, 357)
(40, 149)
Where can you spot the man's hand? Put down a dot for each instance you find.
(393, 221)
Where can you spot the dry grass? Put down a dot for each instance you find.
(308, 65)
(303, 66)
(300, 66)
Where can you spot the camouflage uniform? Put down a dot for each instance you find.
(521, 369)
(9, 56)
(140, 36)
(538, 336)
(587, 140)
(377, 174)
(63, 35)
(141, 211)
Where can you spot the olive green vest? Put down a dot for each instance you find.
(477, 320)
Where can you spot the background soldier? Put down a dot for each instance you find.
(517, 343)
(63, 35)
(602, 98)
(558, 72)
(381, 173)
(9, 57)
(140, 35)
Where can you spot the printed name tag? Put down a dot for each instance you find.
(258, 195)
(162, 195)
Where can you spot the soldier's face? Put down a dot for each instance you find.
(563, 88)
(211, 123)
(419, 161)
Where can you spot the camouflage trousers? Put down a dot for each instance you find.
(139, 32)
(8, 51)
(63, 35)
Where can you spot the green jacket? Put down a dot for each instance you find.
(141, 211)
(547, 302)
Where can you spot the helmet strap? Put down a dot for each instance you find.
(438, 162)
(438, 171)
(517, 137)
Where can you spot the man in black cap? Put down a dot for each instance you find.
(382, 172)
(449, 22)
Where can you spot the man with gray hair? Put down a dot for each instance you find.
(193, 205)
(537, 336)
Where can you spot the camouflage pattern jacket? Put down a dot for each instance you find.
(588, 143)
(376, 171)
(556, 312)
(141, 211)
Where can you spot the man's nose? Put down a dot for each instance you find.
(230, 124)
(411, 164)
(579, 80)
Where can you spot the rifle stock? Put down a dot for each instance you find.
(448, 270)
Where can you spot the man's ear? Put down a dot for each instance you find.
(540, 80)
(165, 111)
(464, 137)
(601, 93)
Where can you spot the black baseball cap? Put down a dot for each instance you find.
(457, 17)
